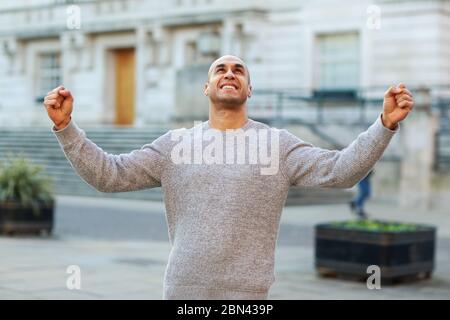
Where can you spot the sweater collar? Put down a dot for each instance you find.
(247, 125)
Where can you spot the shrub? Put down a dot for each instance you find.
(22, 181)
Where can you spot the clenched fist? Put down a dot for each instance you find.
(59, 105)
(398, 103)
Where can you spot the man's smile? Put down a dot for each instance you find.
(228, 86)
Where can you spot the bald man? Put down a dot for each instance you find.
(222, 208)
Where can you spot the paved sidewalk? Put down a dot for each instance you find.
(126, 263)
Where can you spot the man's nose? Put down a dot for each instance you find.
(229, 74)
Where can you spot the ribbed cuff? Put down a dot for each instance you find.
(69, 134)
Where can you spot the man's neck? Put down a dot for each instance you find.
(227, 119)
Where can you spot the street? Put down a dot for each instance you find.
(122, 247)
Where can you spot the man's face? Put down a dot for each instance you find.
(228, 82)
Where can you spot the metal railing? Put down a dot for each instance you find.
(349, 106)
(356, 107)
(345, 106)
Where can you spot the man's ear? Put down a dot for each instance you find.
(205, 89)
(250, 90)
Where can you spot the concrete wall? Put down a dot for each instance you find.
(191, 103)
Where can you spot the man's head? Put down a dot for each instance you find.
(228, 82)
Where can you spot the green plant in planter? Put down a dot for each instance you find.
(377, 226)
(22, 181)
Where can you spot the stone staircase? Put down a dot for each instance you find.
(41, 147)
(443, 149)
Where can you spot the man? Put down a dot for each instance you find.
(223, 218)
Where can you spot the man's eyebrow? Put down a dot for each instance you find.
(219, 66)
(222, 65)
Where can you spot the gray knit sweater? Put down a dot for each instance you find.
(222, 216)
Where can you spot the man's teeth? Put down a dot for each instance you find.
(227, 87)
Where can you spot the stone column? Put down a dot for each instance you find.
(251, 40)
(162, 41)
(72, 46)
(68, 59)
(417, 134)
(13, 50)
(227, 34)
(142, 60)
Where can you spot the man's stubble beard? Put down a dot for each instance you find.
(228, 103)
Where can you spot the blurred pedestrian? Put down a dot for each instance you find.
(364, 193)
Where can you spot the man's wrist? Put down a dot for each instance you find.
(63, 124)
(387, 123)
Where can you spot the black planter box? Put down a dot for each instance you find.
(401, 255)
(16, 219)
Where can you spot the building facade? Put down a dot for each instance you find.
(135, 62)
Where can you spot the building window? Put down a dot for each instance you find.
(49, 74)
(338, 62)
(191, 53)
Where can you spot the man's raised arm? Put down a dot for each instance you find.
(139, 169)
(309, 166)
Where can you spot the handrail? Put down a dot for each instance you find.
(297, 105)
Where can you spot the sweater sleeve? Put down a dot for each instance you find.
(139, 169)
(306, 165)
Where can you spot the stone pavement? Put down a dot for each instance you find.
(122, 249)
